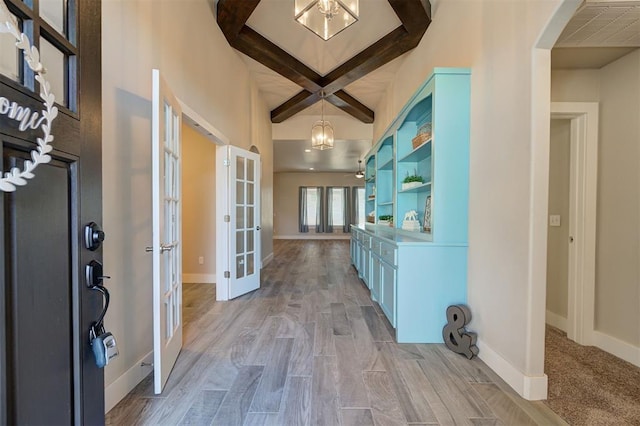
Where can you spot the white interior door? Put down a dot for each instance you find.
(239, 261)
(167, 251)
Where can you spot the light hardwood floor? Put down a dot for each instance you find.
(309, 347)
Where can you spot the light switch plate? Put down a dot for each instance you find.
(554, 220)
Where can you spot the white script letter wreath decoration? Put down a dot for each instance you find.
(27, 119)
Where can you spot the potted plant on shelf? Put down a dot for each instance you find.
(412, 181)
(385, 219)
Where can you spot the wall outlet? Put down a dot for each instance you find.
(554, 220)
(201, 260)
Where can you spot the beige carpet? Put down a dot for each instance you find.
(588, 386)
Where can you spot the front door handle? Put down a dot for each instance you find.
(94, 274)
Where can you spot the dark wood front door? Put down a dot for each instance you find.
(47, 371)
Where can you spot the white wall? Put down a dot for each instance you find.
(198, 207)
(495, 39)
(209, 77)
(285, 195)
(558, 236)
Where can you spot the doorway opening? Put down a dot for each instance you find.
(571, 243)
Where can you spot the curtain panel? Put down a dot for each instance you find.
(320, 210)
(303, 226)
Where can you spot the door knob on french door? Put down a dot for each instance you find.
(163, 248)
(257, 228)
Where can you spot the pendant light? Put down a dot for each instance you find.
(359, 173)
(322, 131)
(326, 18)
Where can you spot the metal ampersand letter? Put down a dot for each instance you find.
(454, 334)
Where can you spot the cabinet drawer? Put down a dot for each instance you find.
(388, 253)
(366, 240)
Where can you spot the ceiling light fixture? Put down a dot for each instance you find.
(359, 173)
(326, 18)
(322, 131)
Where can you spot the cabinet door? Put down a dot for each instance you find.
(388, 274)
(376, 279)
(366, 267)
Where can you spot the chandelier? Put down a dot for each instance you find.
(322, 132)
(326, 18)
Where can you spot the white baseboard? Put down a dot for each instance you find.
(199, 278)
(267, 259)
(556, 321)
(313, 236)
(617, 347)
(532, 388)
(117, 390)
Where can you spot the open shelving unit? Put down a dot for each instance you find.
(384, 178)
(416, 274)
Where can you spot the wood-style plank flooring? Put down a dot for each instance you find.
(310, 348)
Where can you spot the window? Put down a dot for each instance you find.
(337, 206)
(50, 26)
(338, 219)
(312, 207)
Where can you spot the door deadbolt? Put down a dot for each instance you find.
(93, 236)
(94, 274)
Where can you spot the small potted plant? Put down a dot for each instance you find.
(412, 181)
(385, 219)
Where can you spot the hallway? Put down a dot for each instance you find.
(309, 347)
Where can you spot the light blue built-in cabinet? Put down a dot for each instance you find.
(417, 272)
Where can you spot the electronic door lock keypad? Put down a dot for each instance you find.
(93, 236)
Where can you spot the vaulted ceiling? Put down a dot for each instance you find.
(249, 27)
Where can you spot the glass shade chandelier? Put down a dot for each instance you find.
(322, 132)
(326, 18)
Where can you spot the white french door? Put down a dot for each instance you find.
(167, 251)
(238, 248)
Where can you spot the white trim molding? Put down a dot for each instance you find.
(314, 236)
(617, 347)
(532, 388)
(124, 384)
(267, 259)
(557, 321)
(582, 212)
(199, 278)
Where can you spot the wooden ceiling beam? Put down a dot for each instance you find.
(270, 55)
(415, 16)
(233, 15)
(294, 105)
(351, 106)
